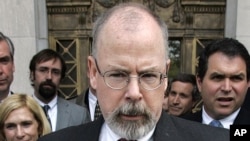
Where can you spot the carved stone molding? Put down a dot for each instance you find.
(66, 10)
(205, 9)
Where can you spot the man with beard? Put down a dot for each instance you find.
(128, 70)
(7, 67)
(47, 69)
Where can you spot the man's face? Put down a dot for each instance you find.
(224, 86)
(7, 68)
(47, 78)
(180, 98)
(132, 111)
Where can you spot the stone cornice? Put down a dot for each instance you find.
(204, 9)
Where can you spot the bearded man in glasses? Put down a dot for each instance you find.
(128, 70)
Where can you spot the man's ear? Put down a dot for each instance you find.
(32, 76)
(92, 71)
(168, 65)
(198, 82)
(248, 84)
(167, 70)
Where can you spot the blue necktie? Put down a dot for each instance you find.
(216, 123)
(46, 109)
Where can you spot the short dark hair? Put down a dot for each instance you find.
(45, 55)
(186, 78)
(229, 47)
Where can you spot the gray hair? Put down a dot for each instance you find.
(10, 44)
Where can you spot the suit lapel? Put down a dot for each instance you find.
(243, 116)
(63, 114)
(93, 131)
(82, 99)
(165, 129)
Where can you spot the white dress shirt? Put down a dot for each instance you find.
(226, 122)
(108, 135)
(92, 103)
(52, 112)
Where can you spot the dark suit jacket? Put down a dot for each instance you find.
(246, 103)
(169, 128)
(83, 100)
(241, 119)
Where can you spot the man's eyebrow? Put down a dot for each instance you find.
(238, 75)
(5, 58)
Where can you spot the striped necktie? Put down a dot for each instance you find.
(98, 112)
(46, 109)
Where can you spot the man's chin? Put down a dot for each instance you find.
(47, 96)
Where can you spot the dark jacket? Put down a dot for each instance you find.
(169, 128)
(241, 119)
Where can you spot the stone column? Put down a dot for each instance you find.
(237, 23)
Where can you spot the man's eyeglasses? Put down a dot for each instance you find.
(119, 79)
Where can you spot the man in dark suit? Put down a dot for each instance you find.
(223, 78)
(47, 69)
(7, 66)
(128, 70)
(88, 99)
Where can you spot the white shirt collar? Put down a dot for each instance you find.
(51, 104)
(226, 122)
(52, 111)
(92, 103)
(108, 135)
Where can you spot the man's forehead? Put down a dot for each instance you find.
(48, 62)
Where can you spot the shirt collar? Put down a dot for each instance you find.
(108, 134)
(226, 122)
(92, 96)
(51, 104)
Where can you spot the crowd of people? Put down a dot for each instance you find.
(130, 96)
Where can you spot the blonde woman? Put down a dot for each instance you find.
(22, 118)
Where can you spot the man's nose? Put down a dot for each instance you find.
(133, 88)
(226, 86)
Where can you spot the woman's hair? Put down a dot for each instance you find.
(17, 101)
